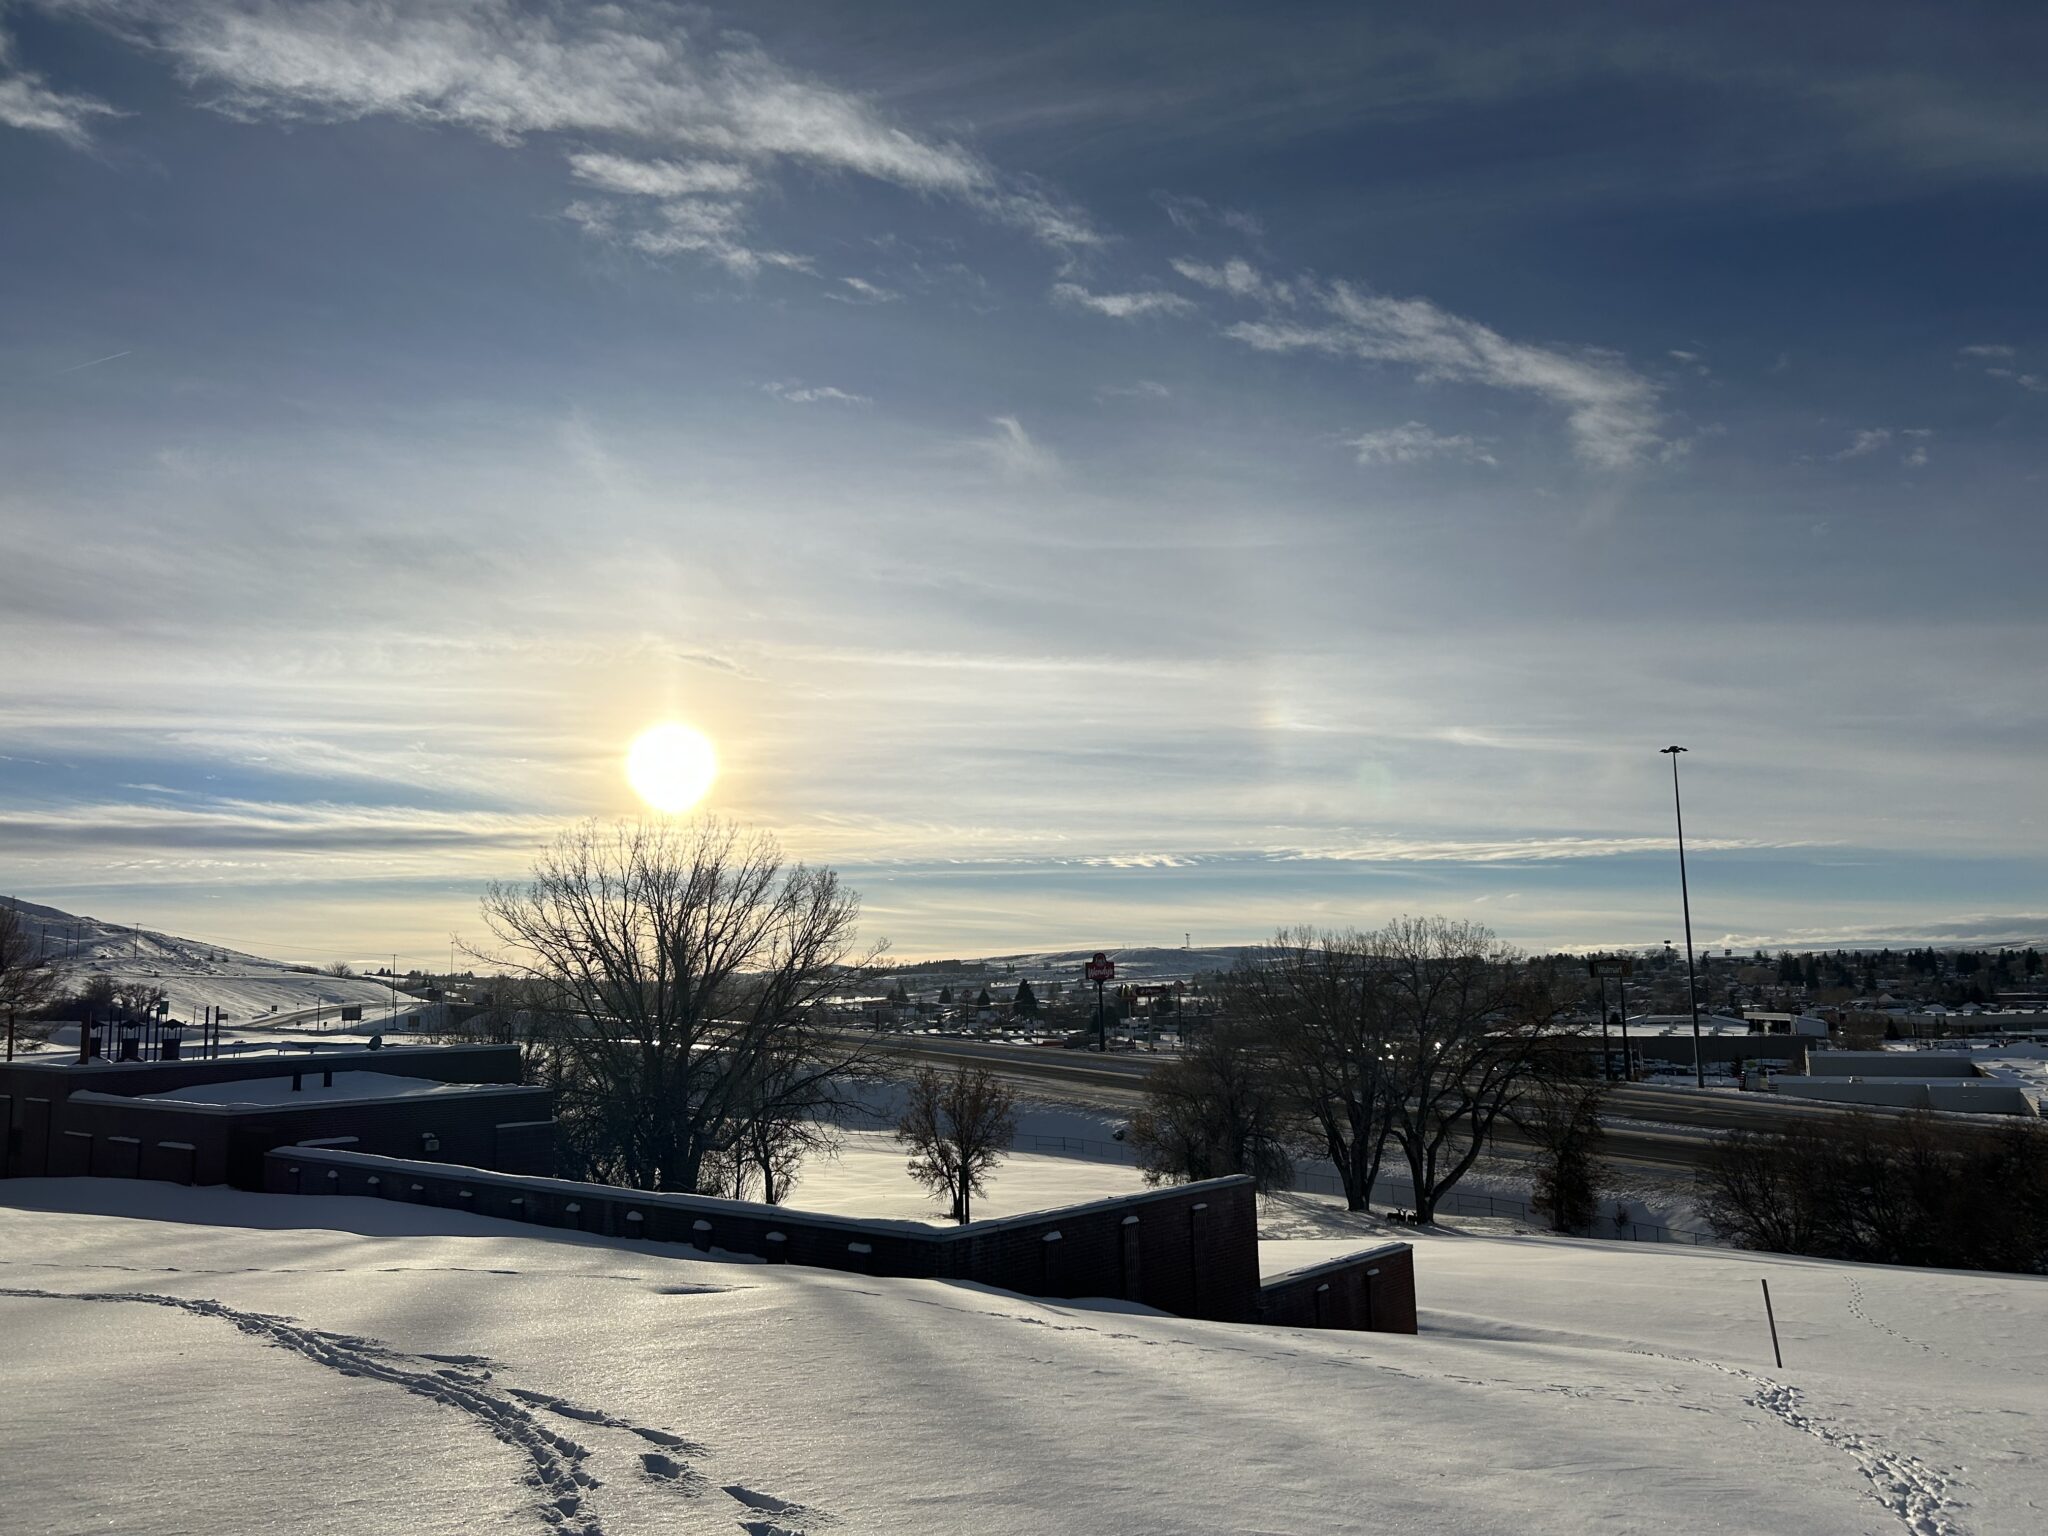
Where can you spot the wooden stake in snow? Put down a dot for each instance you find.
(1771, 1318)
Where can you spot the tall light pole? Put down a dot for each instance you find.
(1692, 991)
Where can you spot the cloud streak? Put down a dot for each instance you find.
(28, 103)
(631, 74)
(1015, 453)
(814, 394)
(1610, 409)
(1413, 442)
(1122, 306)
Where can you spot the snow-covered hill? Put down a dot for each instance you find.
(196, 974)
(206, 1361)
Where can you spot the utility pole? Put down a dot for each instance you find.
(1692, 993)
(1628, 1064)
(1606, 1047)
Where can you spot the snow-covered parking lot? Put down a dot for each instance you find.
(207, 1361)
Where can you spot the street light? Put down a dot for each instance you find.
(1692, 992)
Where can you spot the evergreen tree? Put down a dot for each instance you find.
(1026, 1001)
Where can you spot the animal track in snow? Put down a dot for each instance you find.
(1859, 1309)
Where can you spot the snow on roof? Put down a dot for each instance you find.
(1681, 1024)
(279, 1090)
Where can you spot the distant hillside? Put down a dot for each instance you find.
(68, 937)
(1147, 964)
(193, 974)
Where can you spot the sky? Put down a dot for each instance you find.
(1098, 474)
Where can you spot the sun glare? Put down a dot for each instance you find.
(671, 766)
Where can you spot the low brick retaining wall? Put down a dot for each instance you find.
(1373, 1291)
(1191, 1249)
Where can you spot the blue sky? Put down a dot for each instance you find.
(1096, 473)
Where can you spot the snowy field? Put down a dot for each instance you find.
(214, 1362)
(870, 1177)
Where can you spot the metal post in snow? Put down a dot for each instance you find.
(1771, 1318)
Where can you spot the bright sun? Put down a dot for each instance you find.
(671, 766)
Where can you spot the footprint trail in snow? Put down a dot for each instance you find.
(564, 1488)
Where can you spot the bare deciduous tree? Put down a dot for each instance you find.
(957, 1126)
(1217, 1108)
(1311, 998)
(1467, 1025)
(138, 998)
(681, 965)
(27, 982)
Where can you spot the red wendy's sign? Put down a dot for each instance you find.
(1101, 968)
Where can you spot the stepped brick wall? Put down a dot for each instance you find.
(1189, 1249)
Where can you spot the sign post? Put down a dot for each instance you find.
(1100, 970)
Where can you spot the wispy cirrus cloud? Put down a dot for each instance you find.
(813, 394)
(31, 104)
(1413, 442)
(1511, 850)
(1122, 306)
(243, 825)
(661, 178)
(1236, 277)
(1142, 389)
(653, 81)
(1192, 215)
(1865, 441)
(860, 291)
(1015, 453)
(1610, 410)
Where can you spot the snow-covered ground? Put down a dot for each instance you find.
(870, 1177)
(208, 1361)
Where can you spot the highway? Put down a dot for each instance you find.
(1114, 1083)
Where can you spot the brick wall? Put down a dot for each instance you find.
(1373, 1291)
(1191, 1249)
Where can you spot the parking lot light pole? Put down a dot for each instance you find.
(1692, 991)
